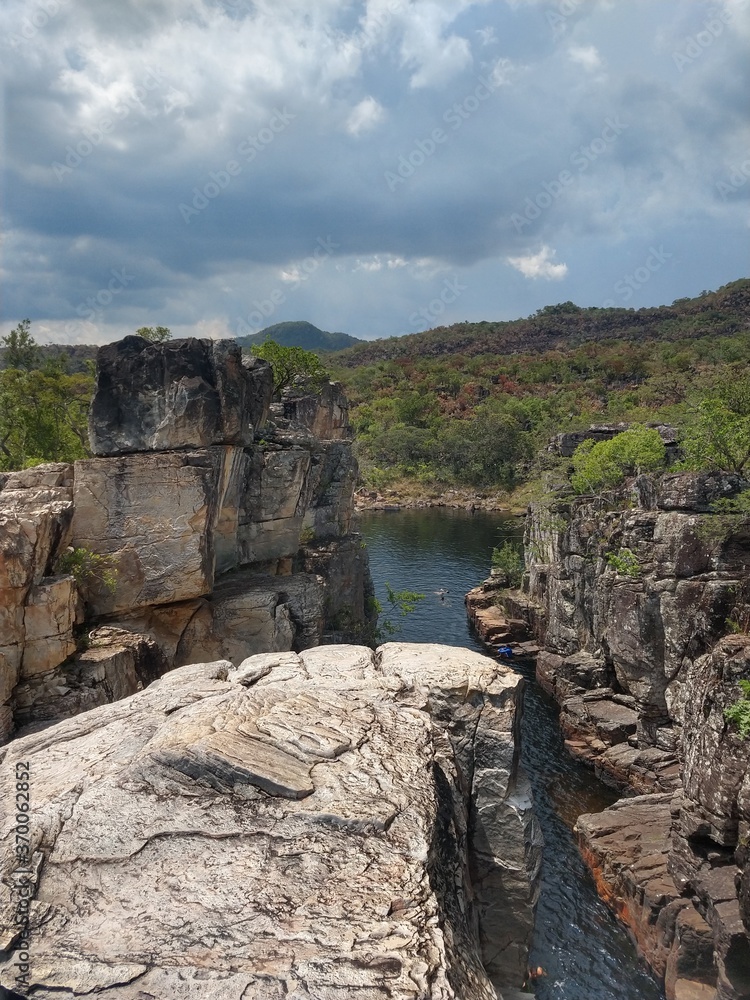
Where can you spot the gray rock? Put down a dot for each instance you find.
(345, 825)
(178, 394)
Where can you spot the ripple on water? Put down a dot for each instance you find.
(585, 954)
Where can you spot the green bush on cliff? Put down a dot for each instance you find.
(509, 559)
(739, 713)
(718, 432)
(605, 464)
(624, 562)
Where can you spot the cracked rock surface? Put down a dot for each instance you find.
(325, 825)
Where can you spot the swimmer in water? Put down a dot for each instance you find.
(441, 593)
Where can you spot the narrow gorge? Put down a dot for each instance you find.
(638, 602)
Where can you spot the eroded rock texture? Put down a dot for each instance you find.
(179, 394)
(214, 533)
(326, 825)
(631, 598)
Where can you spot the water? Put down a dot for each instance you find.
(585, 954)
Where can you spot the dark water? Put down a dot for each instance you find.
(585, 954)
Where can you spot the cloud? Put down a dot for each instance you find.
(586, 56)
(276, 126)
(539, 265)
(365, 116)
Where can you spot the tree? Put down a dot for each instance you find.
(156, 334)
(21, 350)
(43, 416)
(718, 435)
(290, 364)
(605, 464)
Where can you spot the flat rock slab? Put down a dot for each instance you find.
(326, 825)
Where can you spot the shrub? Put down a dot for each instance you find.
(625, 561)
(509, 559)
(88, 568)
(739, 712)
(605, 464)
(718, 435)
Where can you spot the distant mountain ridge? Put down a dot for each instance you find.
(561, 327)
(300, 333)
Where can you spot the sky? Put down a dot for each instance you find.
(376, 167)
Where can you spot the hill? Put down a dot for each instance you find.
(299, 333)
(565, 326)
(473, 404)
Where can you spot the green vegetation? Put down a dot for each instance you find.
(290, 364)
(509, 559)
(739, 712)
(718, 431)
(605, 464)
(625, 562)
(20, 349)
(88, 569)
(43, 408)
(156, 334)
(401, 603)
(474, 404)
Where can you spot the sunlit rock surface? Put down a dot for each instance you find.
(329, 824)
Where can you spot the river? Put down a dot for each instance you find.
(584, 953)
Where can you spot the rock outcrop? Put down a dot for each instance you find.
(201, 526)
(328, 824)
(631, 598)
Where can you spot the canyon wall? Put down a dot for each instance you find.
(211, 524)
(639, 601)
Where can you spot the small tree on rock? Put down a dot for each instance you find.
(156, 334)
(290, 364)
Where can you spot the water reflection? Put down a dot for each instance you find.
(583, 951)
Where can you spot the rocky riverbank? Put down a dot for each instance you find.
(326, 824)
(631, 599)
(415, 496)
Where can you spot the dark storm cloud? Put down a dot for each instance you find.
(206, 148)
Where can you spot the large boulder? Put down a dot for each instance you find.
(153, 517)
(332, 824)
(178, 394)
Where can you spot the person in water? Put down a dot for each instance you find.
(441, 593)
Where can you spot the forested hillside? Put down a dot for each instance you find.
(472, 404)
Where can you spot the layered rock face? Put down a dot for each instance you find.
(201, 526)
(631, 599)
(328, 824)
